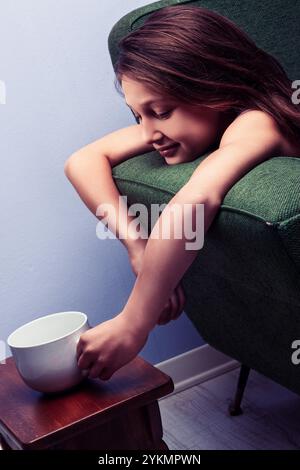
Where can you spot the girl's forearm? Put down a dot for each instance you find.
(91, 176)
(164, 264)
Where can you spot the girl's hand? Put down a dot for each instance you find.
(109, 346)
(174, 307)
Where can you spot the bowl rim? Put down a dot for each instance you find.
(84, 320)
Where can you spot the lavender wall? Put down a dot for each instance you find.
(58, 77)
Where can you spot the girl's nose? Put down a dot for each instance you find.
(151, 135)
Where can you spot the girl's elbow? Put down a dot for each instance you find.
(69, 164)
(66, 168)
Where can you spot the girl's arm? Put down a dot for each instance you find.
(91, 176)
(90, 171)
(247, 142)
(167, 259)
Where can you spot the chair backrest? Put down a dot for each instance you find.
(274, 25)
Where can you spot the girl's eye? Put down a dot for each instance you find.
(164, 115)
(160, 116)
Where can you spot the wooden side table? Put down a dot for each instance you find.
(121, 413)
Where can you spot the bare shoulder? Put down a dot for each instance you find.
(249, 140)
(258, 124)
(254, 124)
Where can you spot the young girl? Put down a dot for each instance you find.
(195, 83)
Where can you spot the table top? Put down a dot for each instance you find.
(27, 416)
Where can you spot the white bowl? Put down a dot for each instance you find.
(44, 351)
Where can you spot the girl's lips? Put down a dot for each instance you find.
(169, 152)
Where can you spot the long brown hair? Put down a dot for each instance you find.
(200, 57)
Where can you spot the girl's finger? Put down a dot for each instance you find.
(84, 361)
(176, 312)
(78, 350)
(174, 304)
(165, 313)
(181, 301)
(106, 373)
(95, 370)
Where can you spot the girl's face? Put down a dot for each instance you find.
(192, 130)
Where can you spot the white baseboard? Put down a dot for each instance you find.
(196, 366)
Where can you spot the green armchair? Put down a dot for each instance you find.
(243, 289)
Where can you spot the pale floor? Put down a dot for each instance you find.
(197, 418)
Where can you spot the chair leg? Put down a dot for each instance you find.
(235, 406)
